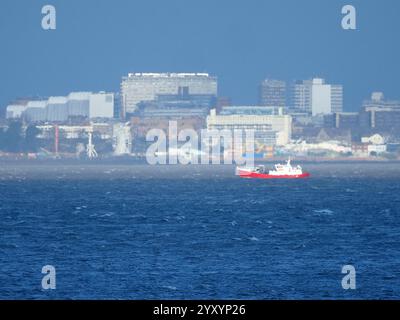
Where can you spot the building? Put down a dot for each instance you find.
(78, 104)
(343, 120)
(375, 139)
(36, 111)
(271, 128)
(101, 105)
(251, 110)
(57, 109)
(382, 115)
(272, 93)
(336, 98)
(14, 111)
(139, 87)
(376, 149)
(360, 149)
(378, 102)
(60, 109)
(315, 135)
(141, 126)
(386, 121)
(177, 106)
(301, 96)
(317, 97)
(222, 102)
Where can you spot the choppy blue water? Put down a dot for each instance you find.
(137, 232)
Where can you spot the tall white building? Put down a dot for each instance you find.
(138, 87)
(317, 97)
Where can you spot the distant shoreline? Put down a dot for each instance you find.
(136, 161)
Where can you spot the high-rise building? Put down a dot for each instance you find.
(141, 87)
(301, 96)
(336, 98)
(272, 93)
(317, 97)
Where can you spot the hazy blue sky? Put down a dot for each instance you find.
(242, 42)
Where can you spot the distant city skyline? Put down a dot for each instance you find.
(96, 43)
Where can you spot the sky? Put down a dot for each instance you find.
(240, 41)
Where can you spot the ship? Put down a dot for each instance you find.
(281, 171)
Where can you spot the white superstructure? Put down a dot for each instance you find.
(286, 169)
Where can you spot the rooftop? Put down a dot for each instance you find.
(167, 75)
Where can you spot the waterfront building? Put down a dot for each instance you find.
(101, 105)
(60, 109)
(376, 139)
(78, 104)
(57, 109)
(14, 111)
(272, 128)
(36, 111)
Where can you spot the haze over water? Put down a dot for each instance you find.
(142, 232)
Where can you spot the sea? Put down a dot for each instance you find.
(132, 231)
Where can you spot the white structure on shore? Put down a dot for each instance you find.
(90, 149)
(59, 109)
(270, 129)
(15, 111)
(122, 137)
(303, 147)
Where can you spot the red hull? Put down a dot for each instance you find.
(245, 174)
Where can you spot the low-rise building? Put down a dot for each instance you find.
(270, 129)
(15, 111)
(360, 149)
(375, 139)
(60, 109)
(376, 149)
